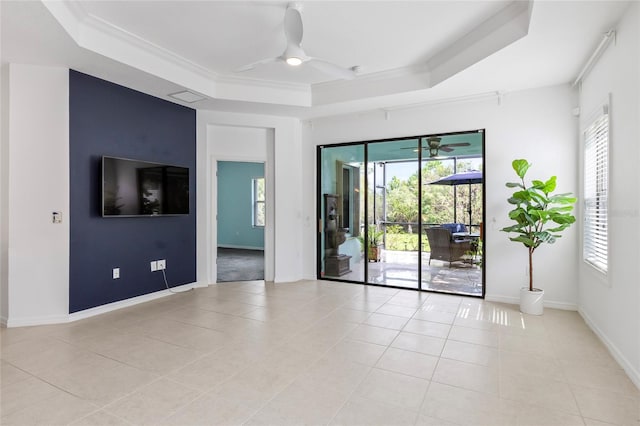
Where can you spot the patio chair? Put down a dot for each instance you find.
(444, 247)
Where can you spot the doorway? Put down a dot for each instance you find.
(241, 201)
(404, 213)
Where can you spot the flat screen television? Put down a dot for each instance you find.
(140, 188)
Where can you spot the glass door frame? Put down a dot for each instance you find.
(419, 147)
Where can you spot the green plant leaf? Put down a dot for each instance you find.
(531, 216)
(561, 209)
(538, 197)
(512, 228)
(563, 218)
(523, 195)
(550, 185)
(514, 185)
(515, 201)
(546, 237)
(524, 240)
(520, 166)
(562, 199)
(515, 214)
(537, 184)
(558, 229)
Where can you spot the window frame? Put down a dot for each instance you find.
(255, 202)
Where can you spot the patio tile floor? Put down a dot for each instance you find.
(400, 269)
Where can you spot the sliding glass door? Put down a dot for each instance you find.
(404, 213)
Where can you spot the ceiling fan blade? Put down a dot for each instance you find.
(445, 148)
(255, 64)
(293, 26)
(332, 69)
(456, 144)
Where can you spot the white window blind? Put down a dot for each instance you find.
(596, 191)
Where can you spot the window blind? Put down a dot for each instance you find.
(596, 189)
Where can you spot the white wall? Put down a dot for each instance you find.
(38, 184)
(611, 304)
(535, 124)
(219, 135)
(4, 191)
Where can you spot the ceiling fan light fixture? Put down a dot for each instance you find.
(434, 146)
(293, 61)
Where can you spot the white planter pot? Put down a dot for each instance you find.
(531, 302)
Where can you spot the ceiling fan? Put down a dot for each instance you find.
(294, 55)
(434, 146)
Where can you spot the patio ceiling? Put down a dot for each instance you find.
(406, 149)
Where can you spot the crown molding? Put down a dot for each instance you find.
(103, 37)
(272, 84)
(111, 30)
(384, 83)
(376, 77)
(100, 36)
(478, 97)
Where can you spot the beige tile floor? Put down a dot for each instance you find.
(314, 353)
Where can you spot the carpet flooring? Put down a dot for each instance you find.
(240, 265)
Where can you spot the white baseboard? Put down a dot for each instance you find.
(631, 371)
(87, 313)
(516, 301)
(31, 321)
(233, 246)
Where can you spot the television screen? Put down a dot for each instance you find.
(141, 188)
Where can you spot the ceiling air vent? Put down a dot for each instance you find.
(187, 96)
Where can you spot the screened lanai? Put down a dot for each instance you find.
(383, 223)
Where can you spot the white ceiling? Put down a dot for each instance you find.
(409, 52)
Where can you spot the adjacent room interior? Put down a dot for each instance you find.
(241, 220)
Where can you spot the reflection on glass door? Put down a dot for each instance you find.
(404, 213)
(341, 211)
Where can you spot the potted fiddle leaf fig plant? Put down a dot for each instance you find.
(540, 216)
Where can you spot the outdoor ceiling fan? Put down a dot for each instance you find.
(294, 55)
(434, 146)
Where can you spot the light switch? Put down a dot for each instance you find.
(116, 273)
(57, 217)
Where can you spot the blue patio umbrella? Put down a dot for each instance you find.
(461, 178)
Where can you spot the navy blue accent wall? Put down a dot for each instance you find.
(107, 119)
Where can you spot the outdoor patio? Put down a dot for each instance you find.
(400, 269)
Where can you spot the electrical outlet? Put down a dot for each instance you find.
(162, 264)
(154, 266)
(116, 273)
